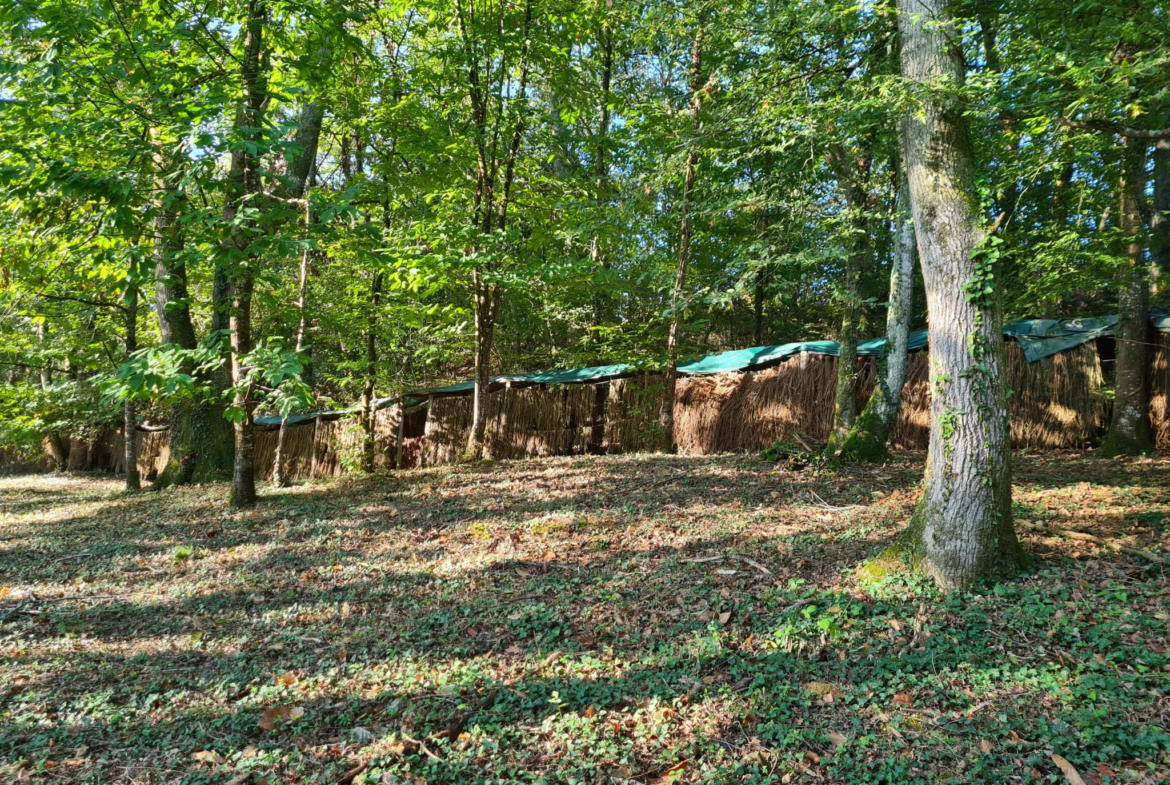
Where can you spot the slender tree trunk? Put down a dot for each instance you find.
(597, 254)
(758, 308)
(129, 422)
(244, 183)
(368, 412)
(1060, 196)
(849, 174)
(1129, 431)
(666, 415)
(487, 303)
(1160, 215)
(845, 405)
(279, 469)
(494, 215)
(962, 531)
(868, 440)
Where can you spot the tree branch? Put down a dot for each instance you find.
(1114, 128)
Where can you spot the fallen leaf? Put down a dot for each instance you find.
(286, 679)
(725, 617)
(283, 713)
(208, 756)
(986, 745)
(1098, 776)
(1067, 769)
(837, 738)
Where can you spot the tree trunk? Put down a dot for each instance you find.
(758, 308)
(201, 440)
(1129, 431)
(244, 183)
(597, 254)
(129, 422)
(487, 304)
(493, 214)
(666, 415)
(1160, 215)
(962, 531)
(845, 406)
(279, 470)
(868, 440)
(371, 376)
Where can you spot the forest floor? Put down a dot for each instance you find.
(639, 619)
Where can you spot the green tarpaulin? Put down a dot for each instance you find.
(1038, 338)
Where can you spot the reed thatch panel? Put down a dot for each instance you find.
(153, 452)
(1057, 402)
(386, 436)
(20, 462)
(446, 432)
(1160, 391)
(912, 431)
(749, 411)
(631, 423)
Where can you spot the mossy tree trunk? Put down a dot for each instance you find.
(868, 440)
(1129, 430)
(850, 172)
(962, 531)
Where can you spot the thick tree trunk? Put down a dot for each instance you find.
(666, 414)
(129, 422)
(1129, 431)
(201, 439)
(962, 530)
(868, 440)
(244, 183)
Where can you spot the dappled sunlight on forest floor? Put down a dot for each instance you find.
(637, 618)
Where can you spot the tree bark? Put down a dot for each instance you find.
(371, 376)
(243, 184)
(201, 439)
(597, 256)
(666, 414)
(868, 440)
(962, 531)
(857, 202)
(1129, 430)
(129, 421)
(845, 399)
(1160, 215)
(487, 304)
(490, 213)
(279, 470)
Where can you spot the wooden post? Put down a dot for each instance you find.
(401, 428)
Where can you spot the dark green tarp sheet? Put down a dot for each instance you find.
(1039, 338)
